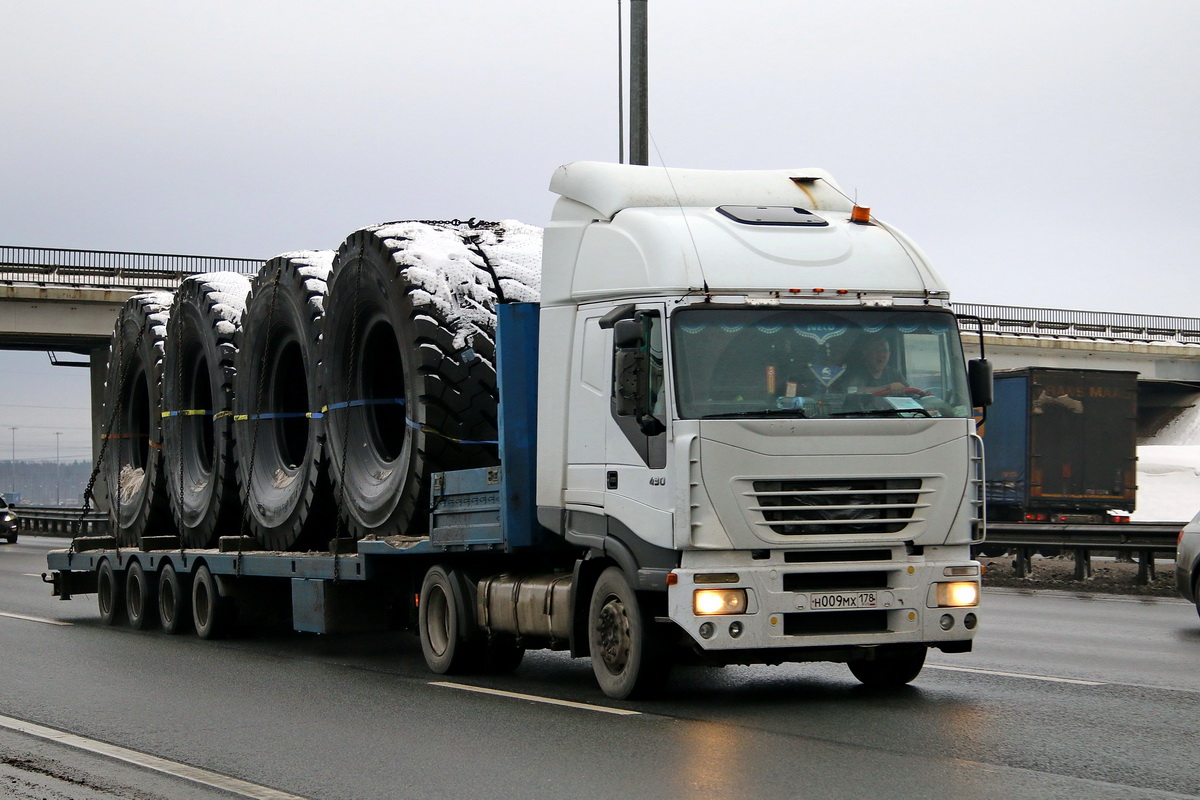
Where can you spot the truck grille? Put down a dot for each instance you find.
(838, 505)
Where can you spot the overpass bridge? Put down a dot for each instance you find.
(60, 300)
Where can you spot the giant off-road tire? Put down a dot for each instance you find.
(198, 394)
(132, 464)
(277, 430)
(408, 360)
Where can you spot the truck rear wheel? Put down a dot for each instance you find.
(140, 601)
(449, 637)
(628, 654)
(174, 601)
(110, 594)
(212, 614)
(893, 665)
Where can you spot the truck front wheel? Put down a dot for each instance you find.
(892, 666)
(445, 622)
(628, 654)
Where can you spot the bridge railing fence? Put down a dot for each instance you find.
(1082, 324)
(51, 266)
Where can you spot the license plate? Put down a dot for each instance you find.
(832, 601)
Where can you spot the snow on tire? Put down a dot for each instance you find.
(198, 393)
(409, 360)
(278, 433)
(133, 402)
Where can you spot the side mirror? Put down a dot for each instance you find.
(979, 378)
(627, 334)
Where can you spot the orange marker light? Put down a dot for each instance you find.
(861, 215)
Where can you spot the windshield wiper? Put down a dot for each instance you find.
(795, 413)
(883, 412)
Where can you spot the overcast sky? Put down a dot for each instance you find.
(1041, 153)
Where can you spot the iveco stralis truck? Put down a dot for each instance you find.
(738, 429)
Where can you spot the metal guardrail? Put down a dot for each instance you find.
(110, 269)
(1083, 324)
(1141, 539)
(60, 521)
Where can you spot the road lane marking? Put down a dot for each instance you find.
(1075, 681)
(35, 619)
(173, 768)
(537, 699)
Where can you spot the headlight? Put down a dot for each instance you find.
(959, 594)
(706, 602)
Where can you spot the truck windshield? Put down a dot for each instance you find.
(817, 363)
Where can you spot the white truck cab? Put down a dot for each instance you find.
(753, 397)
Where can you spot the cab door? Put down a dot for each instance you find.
(638, 495)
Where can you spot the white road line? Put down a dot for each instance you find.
(35, 619)
(537, 699)
(193, 774)
(1075, 681)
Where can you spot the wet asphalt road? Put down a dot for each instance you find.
(1064, 697)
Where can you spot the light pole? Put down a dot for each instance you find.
(57, 469)
(14, 459)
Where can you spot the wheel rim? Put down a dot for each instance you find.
(437, 620)
(612, 627)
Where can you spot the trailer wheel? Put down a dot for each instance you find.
(212, 614)
(140, 601)
(892, 666)
(174, 601)
(629, 657)
(110, 594)
(448, 634)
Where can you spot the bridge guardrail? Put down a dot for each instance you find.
(60, 521)
(110, 269)
(1083, 324)
(1140, 539)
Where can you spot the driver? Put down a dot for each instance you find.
(871, 372)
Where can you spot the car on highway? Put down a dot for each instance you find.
(1187, 561)
(8, 522)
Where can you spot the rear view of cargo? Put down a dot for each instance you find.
(1062, 445)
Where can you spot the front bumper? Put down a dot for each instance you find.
(874, 597)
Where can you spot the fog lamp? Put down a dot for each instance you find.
(707, 602)
(707, 630)
(958, 594)
(947, 622)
